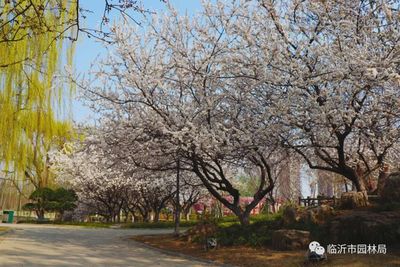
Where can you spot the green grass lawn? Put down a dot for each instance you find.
(223, 222)
(228, 221)
(84, 224)
(139, 225)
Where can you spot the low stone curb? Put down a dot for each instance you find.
(177, 254)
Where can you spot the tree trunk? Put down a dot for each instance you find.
(273, 206)
(186, 213)
(40, 214)
(126, 216)
(156, 217)
(144, 212)
(383, 175)
(61, 214)
(266, 185)
(355, 176)
(345, 186)
(359, 184)
(244, 218)
(146, 217)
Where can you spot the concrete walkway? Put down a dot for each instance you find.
(47, 245)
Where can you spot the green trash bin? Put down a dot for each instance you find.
(8, 216)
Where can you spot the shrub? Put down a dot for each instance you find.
(45, 199)
(258, 233)
(389, 206)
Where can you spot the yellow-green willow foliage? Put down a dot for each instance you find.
(35, 42)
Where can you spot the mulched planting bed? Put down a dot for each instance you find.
(253, 257)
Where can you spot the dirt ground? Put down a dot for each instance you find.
(253, 257)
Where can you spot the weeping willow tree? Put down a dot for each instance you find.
(35, 42)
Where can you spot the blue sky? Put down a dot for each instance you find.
(88, 48)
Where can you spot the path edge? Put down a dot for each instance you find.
(176, 254)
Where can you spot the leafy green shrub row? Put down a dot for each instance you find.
(258, 233)
(254, 235)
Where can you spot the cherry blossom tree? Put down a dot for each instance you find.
(177, 90)
(238, 84)
(97, 185)
(334, 66)
(191, 191)
(109, 185)
(155, 192)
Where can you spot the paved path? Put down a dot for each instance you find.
(44, 245)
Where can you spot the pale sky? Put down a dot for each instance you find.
(88, 48)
